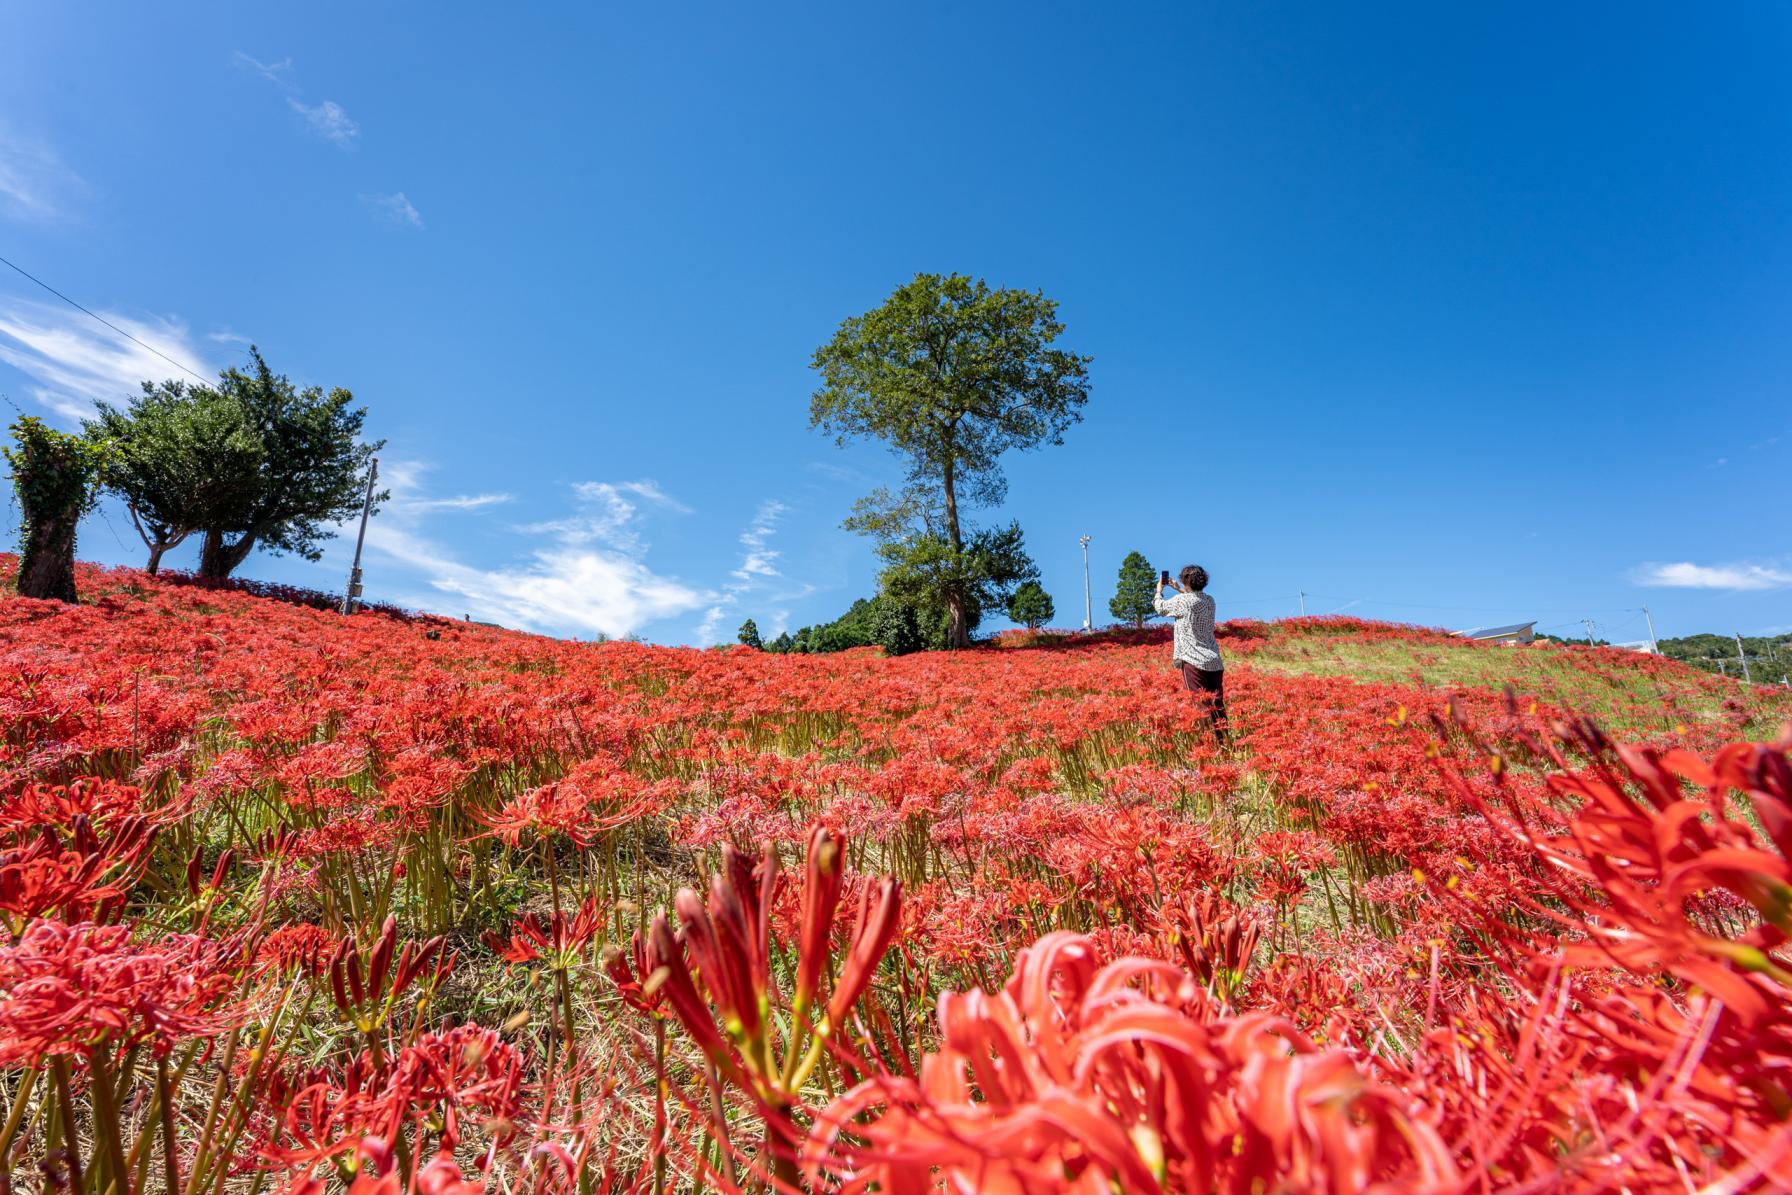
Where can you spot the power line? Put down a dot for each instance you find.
(84, 311)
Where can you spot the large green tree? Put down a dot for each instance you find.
(1137, 586)
(749, 635)
(265, 464)
(55, 477)
(182, 456)
(950, 374)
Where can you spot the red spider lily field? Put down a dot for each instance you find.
(303, 903)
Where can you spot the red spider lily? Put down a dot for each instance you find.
(75, 877)
(434, 1084)
(1582, 993)
(1214, 942)
(1652, 853)
(639, 983)
(721, 959)
(366, 997)
(1078, 1077)
(70, 989)
(590, 801)
(560, 941)
(58, 805)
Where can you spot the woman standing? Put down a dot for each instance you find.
(1195, 649)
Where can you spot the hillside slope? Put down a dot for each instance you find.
(428, 861)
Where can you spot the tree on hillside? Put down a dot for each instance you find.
(924, 570)
(749, 635)
(782, 644)
(180, 456)
(1138, 585)
(1031, 606)
(273, 466)
(950, 374)
(55, 477)
(898, 628)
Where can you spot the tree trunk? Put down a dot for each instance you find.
(47, 569)
(958, 631)
(217, 559)
(155, 558)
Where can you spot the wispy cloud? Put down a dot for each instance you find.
(590, 577)
(35, 185)
(758, 564)
(394, 209)
(327, 120)
(1734, 577)
(835, 472)
(463, 502)
(759, 560)
(274, 72)
(607, 513)
(75, 362)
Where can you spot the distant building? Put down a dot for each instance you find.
(1518, 632)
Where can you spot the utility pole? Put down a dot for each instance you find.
(1303, 603)
(1654, 647)
(1588, 623)
(1088, 613)
(351, 598)
(1743, 656)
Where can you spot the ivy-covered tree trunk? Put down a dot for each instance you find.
(55, 476)
(47, 565)
(217, 559)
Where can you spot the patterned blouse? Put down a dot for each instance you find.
(1195, 643)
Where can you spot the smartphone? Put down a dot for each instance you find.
(1163, 578)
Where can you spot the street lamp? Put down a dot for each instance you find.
(1088, 620)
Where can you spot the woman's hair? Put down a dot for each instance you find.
(1193, 577)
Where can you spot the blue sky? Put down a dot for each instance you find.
(1440, 313)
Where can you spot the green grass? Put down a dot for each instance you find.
(1624, 692)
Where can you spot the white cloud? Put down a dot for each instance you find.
(273, 72)
(607, 513)
(35, 186)
(758, 563)
(759, 560)
(1686, 575)
(76, 362)
(464, 502)
(328, 121)
(227, 336)
(394, 209)
(568, 584)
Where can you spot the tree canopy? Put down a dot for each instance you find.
(182, 456)
(749, 635)
(950, 374)
(252, 462)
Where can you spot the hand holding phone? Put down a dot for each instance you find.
(1163, 578)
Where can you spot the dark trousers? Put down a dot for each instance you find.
(1213, 684)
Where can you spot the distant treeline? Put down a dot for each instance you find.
(1769, 656)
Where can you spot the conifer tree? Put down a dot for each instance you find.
(1031, 606)
(1138, 585)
